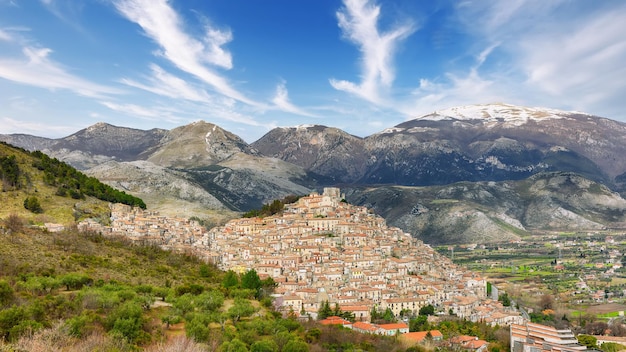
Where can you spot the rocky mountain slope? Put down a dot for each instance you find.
(465, 151)
(480, 212)
(323, 150)
(471, 143)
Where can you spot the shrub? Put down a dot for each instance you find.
(32, 204)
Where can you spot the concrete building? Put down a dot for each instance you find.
(531, 337)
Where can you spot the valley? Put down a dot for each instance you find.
(490, 214)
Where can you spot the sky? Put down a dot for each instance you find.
(252, 65)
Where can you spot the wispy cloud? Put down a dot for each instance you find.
(5, 36)
(165, 84)
(533, 53)
(555, 53)
(358, 20)
(10, 125)
(68, 11)
(163, 25)
(281, 100)
(37, 69)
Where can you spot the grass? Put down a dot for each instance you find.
(56, 209)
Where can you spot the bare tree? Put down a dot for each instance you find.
(14, 224)
(546, 302)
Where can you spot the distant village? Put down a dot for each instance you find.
(323, 249)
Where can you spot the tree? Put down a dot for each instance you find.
(32, 203)
(588, 340)
(241, 308)
(9, 172)
(504, 298)
(14, 223)
(419, 324)
(235, 345)
(612, 347)
(75, 281)
(6, 293)
(264, 346)
(184, 304)
(427, 310)
(324, 311)
(296, 346)
(388, 315)
(198, 328)
(127, 320)
(250, 280)
(546, 302)
(210, 301)
(231, 279)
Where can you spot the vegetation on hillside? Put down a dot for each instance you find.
(68, 181)
(73, 183)
(76, 291)
(272, 208)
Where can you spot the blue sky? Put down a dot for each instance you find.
(252, 65)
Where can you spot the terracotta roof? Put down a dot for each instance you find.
(335, 320)
(419, 336)
(395, 326)
(364, 326)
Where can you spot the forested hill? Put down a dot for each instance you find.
(35, 182)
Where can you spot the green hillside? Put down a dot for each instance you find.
(51, 190)
(73, 291)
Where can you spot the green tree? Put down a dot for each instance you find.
(504, 298)
(427, 310)
(6, 293)
(264, 346)
(184, 304)
(9, 318)
(235, 345)
(198, 328)
(32, 203)
(75, 281)
(209, 301)
(325, 311)
(251, 281)
(231, 280)
(612, 347)
(9, 172)
(587, 340)
(388, 316)
(296, 346)
(420, 323)
(241, 308)
(127, 321)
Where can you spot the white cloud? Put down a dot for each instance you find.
(557, 54)
(10, 125)
(5, 36)
(165, 84)
(36, 69)
(163, 25)
(359, 22)
(137, 110)
(587, 63)
(281, 100)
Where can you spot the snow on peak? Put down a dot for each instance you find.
(512, 114)
(391, 130)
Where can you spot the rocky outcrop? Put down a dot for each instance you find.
(482, 212)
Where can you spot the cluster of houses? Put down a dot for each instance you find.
(320, 249)
(401, 329)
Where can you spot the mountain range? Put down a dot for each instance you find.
(467, 174)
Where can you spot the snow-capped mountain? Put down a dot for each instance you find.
(484, 147)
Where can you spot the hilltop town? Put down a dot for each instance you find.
(319, 249)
